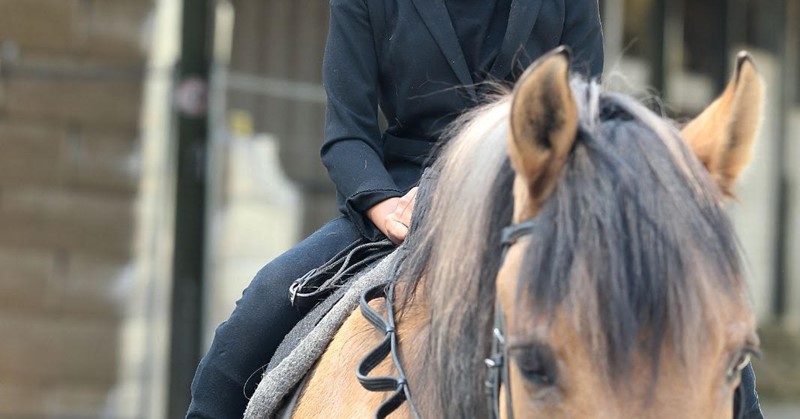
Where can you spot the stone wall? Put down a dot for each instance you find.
(276, 77)
(793, 229)
(70, 93)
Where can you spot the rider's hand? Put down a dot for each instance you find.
(393, 216)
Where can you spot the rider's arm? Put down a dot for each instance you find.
(584, 34)
(352, 150)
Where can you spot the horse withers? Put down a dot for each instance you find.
(618, 294)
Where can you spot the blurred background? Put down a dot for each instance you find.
(154, 154)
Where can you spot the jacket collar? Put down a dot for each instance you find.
(522, 17)
(437, 19)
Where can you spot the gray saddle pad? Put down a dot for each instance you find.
(303, 346)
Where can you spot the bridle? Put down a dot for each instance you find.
(497, 362)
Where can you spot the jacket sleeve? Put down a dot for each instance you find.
(352, 150)
(583, 33)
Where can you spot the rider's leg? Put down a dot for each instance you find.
(262, 317)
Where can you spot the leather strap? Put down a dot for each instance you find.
(512, 234)
(499, 362)
(318, 283)
(499, 366)
(388, 346)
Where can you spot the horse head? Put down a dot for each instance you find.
(627, 297)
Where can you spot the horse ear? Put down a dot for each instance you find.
(722, 136)
(544, 123)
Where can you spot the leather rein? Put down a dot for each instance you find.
(398, 384)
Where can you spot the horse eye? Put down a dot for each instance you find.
(537, 364)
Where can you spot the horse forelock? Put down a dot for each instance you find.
(633, 241)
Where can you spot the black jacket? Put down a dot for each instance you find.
(404, 54)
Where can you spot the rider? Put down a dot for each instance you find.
(424, 62)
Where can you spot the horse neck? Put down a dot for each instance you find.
(413, 329)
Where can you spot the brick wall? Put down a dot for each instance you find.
(70, 94)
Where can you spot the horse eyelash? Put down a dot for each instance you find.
(753, 351)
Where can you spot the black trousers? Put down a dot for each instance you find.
(245, 342)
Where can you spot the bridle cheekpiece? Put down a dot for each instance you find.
(498, 362)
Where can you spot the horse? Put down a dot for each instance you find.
(617, 292)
